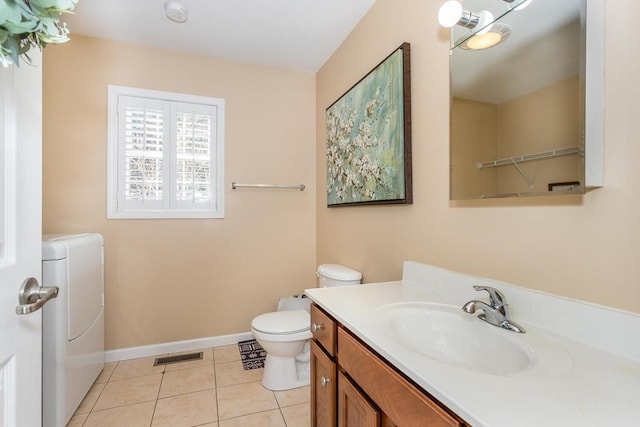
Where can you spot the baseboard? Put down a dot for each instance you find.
(174, 347)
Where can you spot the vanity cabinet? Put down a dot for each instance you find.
(368, 392)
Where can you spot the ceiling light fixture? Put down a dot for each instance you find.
(499, 32)
(176, 11)
(451, 13)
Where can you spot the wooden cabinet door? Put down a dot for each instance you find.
(354, 410)
(323, 388)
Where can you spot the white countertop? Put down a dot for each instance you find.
(590, 377)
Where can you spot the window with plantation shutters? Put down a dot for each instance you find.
(165, 155)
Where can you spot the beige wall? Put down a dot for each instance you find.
(587, 247)
(169, 280)
(485, 132)
(475, 140)
(520, 132)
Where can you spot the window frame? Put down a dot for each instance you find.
(115, 168)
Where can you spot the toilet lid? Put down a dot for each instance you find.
(282, 322)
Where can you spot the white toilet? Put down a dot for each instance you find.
(285, 334)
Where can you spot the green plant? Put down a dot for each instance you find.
(25, 24)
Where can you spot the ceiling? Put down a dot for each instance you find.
(293, 34)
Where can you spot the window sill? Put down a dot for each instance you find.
(165, 215)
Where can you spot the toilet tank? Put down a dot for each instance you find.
(331, 275)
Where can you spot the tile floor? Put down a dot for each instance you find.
(215, 391)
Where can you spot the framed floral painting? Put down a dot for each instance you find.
(369, 137)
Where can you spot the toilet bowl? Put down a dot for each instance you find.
(282, 334)
(285, 334)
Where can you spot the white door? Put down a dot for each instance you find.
(20, 241)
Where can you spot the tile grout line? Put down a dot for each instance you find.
(215, 379)
(282, 415)
(99, 394)
(155, 405)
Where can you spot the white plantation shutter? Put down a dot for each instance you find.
(143, 136)
(165, 155)
(195, 142)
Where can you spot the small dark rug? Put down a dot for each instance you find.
(251, 354)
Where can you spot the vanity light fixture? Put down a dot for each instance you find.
(176, 11)
(499, 32)
(451, 13)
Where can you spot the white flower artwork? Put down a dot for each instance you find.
(368, 137)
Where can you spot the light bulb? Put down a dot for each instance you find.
(485, 23)
(450, 13)
(522, 5)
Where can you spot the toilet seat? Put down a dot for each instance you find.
(282, 322)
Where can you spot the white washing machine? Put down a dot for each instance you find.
(72, 323)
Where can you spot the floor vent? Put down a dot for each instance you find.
(177, 359)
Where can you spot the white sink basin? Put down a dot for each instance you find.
(446, 334)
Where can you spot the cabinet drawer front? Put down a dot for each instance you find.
(405, 404)
(323, 329)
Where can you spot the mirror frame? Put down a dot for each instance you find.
(594, 96)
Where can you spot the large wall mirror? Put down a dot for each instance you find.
(518, 108)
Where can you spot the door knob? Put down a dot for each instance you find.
(32, 296)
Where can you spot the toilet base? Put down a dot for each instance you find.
(284, 373)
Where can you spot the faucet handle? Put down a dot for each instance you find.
(497, 299)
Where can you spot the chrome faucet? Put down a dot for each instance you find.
(496, 312)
